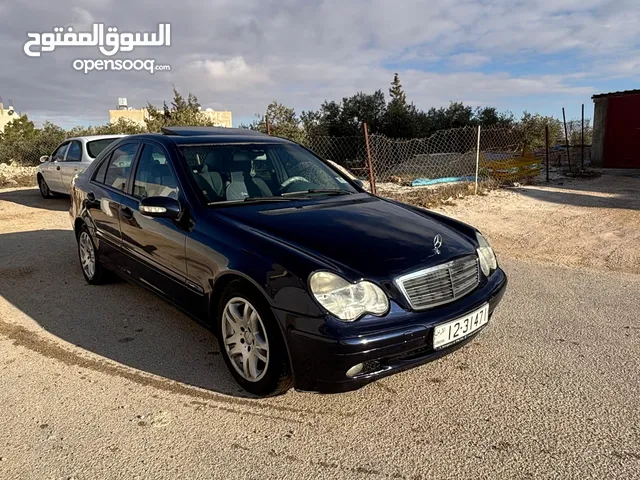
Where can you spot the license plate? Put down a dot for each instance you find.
(460, 328)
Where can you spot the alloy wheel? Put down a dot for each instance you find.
(44, 188)
(245, 339)
(87, 255)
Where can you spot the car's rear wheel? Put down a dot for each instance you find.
(251, 342)
(93, 271)
(44, 188)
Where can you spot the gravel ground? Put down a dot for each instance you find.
(13, 175)
(575, 222)
(111, 382)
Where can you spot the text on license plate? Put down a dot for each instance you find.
(456, 330)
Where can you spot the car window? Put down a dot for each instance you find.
(263, 168)
(96, 146)
(102, 170)
(154, 176)
(120, 166)
(308, 167)
(74, 154)
(58, 155)
(235, 172)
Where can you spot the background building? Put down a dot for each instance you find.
(138, 115)
(616, 130)
(6, 115)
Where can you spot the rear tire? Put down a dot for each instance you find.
(44, 188)
(93, 271)
(251, 341)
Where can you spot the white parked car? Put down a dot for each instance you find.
(71, 157)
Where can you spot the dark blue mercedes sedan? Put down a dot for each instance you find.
(306, 279)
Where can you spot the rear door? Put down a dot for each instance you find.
(104, 197)
(71, 165)
(52, 173)
(155, 246)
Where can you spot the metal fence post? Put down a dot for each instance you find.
(477, 160)
(546, 145)
(372, 178)
(566, 138)
(582, 140)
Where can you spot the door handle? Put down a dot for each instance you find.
(126, 212)
(91, 197)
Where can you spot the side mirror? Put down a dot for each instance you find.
(358, 182)
(44, 158)
(160, 207)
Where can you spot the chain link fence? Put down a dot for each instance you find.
(448, 156)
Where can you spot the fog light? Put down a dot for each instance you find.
(355, 370)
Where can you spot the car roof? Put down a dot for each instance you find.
(209, 135)
(90, 138)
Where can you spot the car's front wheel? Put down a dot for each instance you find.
(251, 342)
(44, 188)
(93, 271)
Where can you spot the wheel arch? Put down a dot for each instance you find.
(224, 279)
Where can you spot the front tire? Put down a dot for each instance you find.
(250, 341)
(93, 271)
(44, 188)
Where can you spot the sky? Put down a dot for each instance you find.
(535, 55)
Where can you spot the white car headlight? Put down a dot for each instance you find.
(347, 301)
(487, 258)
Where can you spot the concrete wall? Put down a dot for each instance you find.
(5, 117)
(220, 118)
(138, 116)
(599, 122)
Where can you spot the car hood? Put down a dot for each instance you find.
(361, 235)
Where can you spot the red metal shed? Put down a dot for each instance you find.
(616, 130)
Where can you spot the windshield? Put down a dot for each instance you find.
(96, 146)
(258, 172)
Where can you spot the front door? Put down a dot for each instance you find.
(52, 173)
(156, 246)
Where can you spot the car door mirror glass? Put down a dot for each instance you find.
(44, 158)
(161, 207)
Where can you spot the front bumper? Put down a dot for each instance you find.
(320, 362)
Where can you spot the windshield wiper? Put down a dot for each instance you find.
(327, 191)
(275, 198)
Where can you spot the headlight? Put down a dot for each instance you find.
(345, 300)
(487, 258)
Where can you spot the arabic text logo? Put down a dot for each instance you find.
(108, 43)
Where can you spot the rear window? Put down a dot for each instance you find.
(96, 146)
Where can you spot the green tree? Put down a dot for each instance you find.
(400, 117)
(23, 143)
(181, 112)
(121, 126)
(533, 130)
(490, 117)
(283, 122)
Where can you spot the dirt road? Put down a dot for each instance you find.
(111, 382)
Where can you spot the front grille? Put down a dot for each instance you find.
(440, 284)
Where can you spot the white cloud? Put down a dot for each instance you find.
(244, 54)
(81, 19)
(230, 75)
(469, 60)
